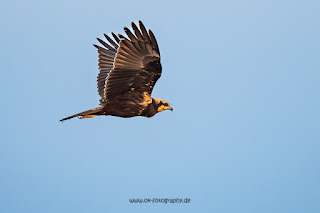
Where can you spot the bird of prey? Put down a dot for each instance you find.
(129, 68)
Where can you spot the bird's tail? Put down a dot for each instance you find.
(86, 114)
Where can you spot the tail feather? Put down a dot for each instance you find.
(86, 114)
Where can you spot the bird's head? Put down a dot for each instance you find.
(162, 105)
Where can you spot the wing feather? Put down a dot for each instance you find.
(121, 37)
(155, 49)
(107, 45)
(137, 31)
(144, 32)
(106, 61)
(130, 35)
(130, 46)
(114, 44)
(115, 37)
(136, 67)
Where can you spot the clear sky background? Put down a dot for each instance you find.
(243, 78)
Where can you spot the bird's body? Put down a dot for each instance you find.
(129, 69)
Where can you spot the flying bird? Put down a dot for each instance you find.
(129, 69)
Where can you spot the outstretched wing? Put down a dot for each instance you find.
(106, 60)
(136, 67)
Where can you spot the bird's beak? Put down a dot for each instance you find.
(171, 109)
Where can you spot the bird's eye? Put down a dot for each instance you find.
(166, 104)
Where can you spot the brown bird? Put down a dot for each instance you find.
(129, 68)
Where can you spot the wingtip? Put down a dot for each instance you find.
(140, 23)
(121, 36)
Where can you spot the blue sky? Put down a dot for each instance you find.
(242, 77)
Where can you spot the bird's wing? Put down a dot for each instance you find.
(136, 67)
(106, 60)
